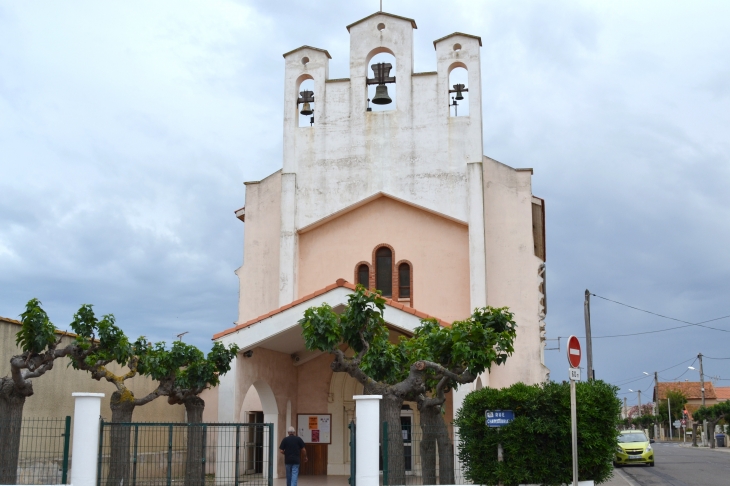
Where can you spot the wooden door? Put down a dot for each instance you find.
(317, 463)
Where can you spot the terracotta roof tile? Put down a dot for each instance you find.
(722, 392)
(690, 389)
(339, 283)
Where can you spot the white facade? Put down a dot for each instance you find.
(414, 179)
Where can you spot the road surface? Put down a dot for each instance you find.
(682, 466)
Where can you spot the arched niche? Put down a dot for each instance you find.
(305, 82)
(377, 55)
(458, 74)
(259, 398)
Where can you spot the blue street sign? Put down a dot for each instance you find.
(499, 418)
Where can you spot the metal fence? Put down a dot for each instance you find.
(427, 456)
(42, 455)
(166, 454)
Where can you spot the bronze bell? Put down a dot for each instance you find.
(306, 109)
(381, 95)
(459, 88)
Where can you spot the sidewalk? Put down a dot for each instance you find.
(726, 450)
(619, 479)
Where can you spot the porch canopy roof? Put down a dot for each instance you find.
(279, 329)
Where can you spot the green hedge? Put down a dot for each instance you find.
(536, 445)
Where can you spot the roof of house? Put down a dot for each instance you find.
(722, 392)
(339, 283)
(18, 323)
(690, 389)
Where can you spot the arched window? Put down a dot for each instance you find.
(363, 276)
(373, 72)
(305, 103)
(459, 98)
(404, 281)
(384, 271)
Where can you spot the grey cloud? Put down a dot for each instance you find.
(127, 130)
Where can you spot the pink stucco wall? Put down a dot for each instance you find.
(314, 385)
(437, 247)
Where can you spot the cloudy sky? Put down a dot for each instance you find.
(127, 129)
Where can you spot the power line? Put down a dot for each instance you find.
(688, 324)
(631, 380)
(712, 358)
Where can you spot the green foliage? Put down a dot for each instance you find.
(537, 444)
(713, 413)
(473, 344)
(37, 332)
(188, 367)
(102, 340)
(677, 401)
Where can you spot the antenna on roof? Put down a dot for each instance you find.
(381, 5)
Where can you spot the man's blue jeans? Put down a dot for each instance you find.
(292, 474)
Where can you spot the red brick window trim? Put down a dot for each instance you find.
(401, 285)
(361, 266)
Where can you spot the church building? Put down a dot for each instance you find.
(384, 182)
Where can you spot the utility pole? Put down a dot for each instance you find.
(589, 345)
(705, 432)
(655, 411)
(702, 380)
(626, 409)
(669, 409)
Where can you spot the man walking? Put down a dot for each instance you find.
(291, 447)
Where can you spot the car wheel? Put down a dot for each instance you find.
(651, 464)
(616, 465)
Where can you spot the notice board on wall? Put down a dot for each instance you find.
(315, 428)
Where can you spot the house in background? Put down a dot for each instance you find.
(396, 196)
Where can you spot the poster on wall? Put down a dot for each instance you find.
(315, 428)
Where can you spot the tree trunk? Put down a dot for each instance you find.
(428, 444)
(11, 421)
(694, 433)
(436, 433)
(195, 458)
(122, 405)
(711, 432)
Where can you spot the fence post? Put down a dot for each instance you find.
(205, 447)
(367, 414)
(385, 453)
(271, 454)
(66, 443)
(86, 438)
(353, 462)
(236, 472)
(99, 454)
(169, 456)
(134, 459)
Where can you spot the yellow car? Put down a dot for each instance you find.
(634, 448)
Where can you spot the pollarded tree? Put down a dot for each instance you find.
(98, 344)
(713, 415)
(39, 345)
(184, 372)
(412, 369)
(464, 350)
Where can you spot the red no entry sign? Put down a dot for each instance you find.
(574, 353)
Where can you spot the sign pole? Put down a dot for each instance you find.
(574, 358)
(574, 431)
